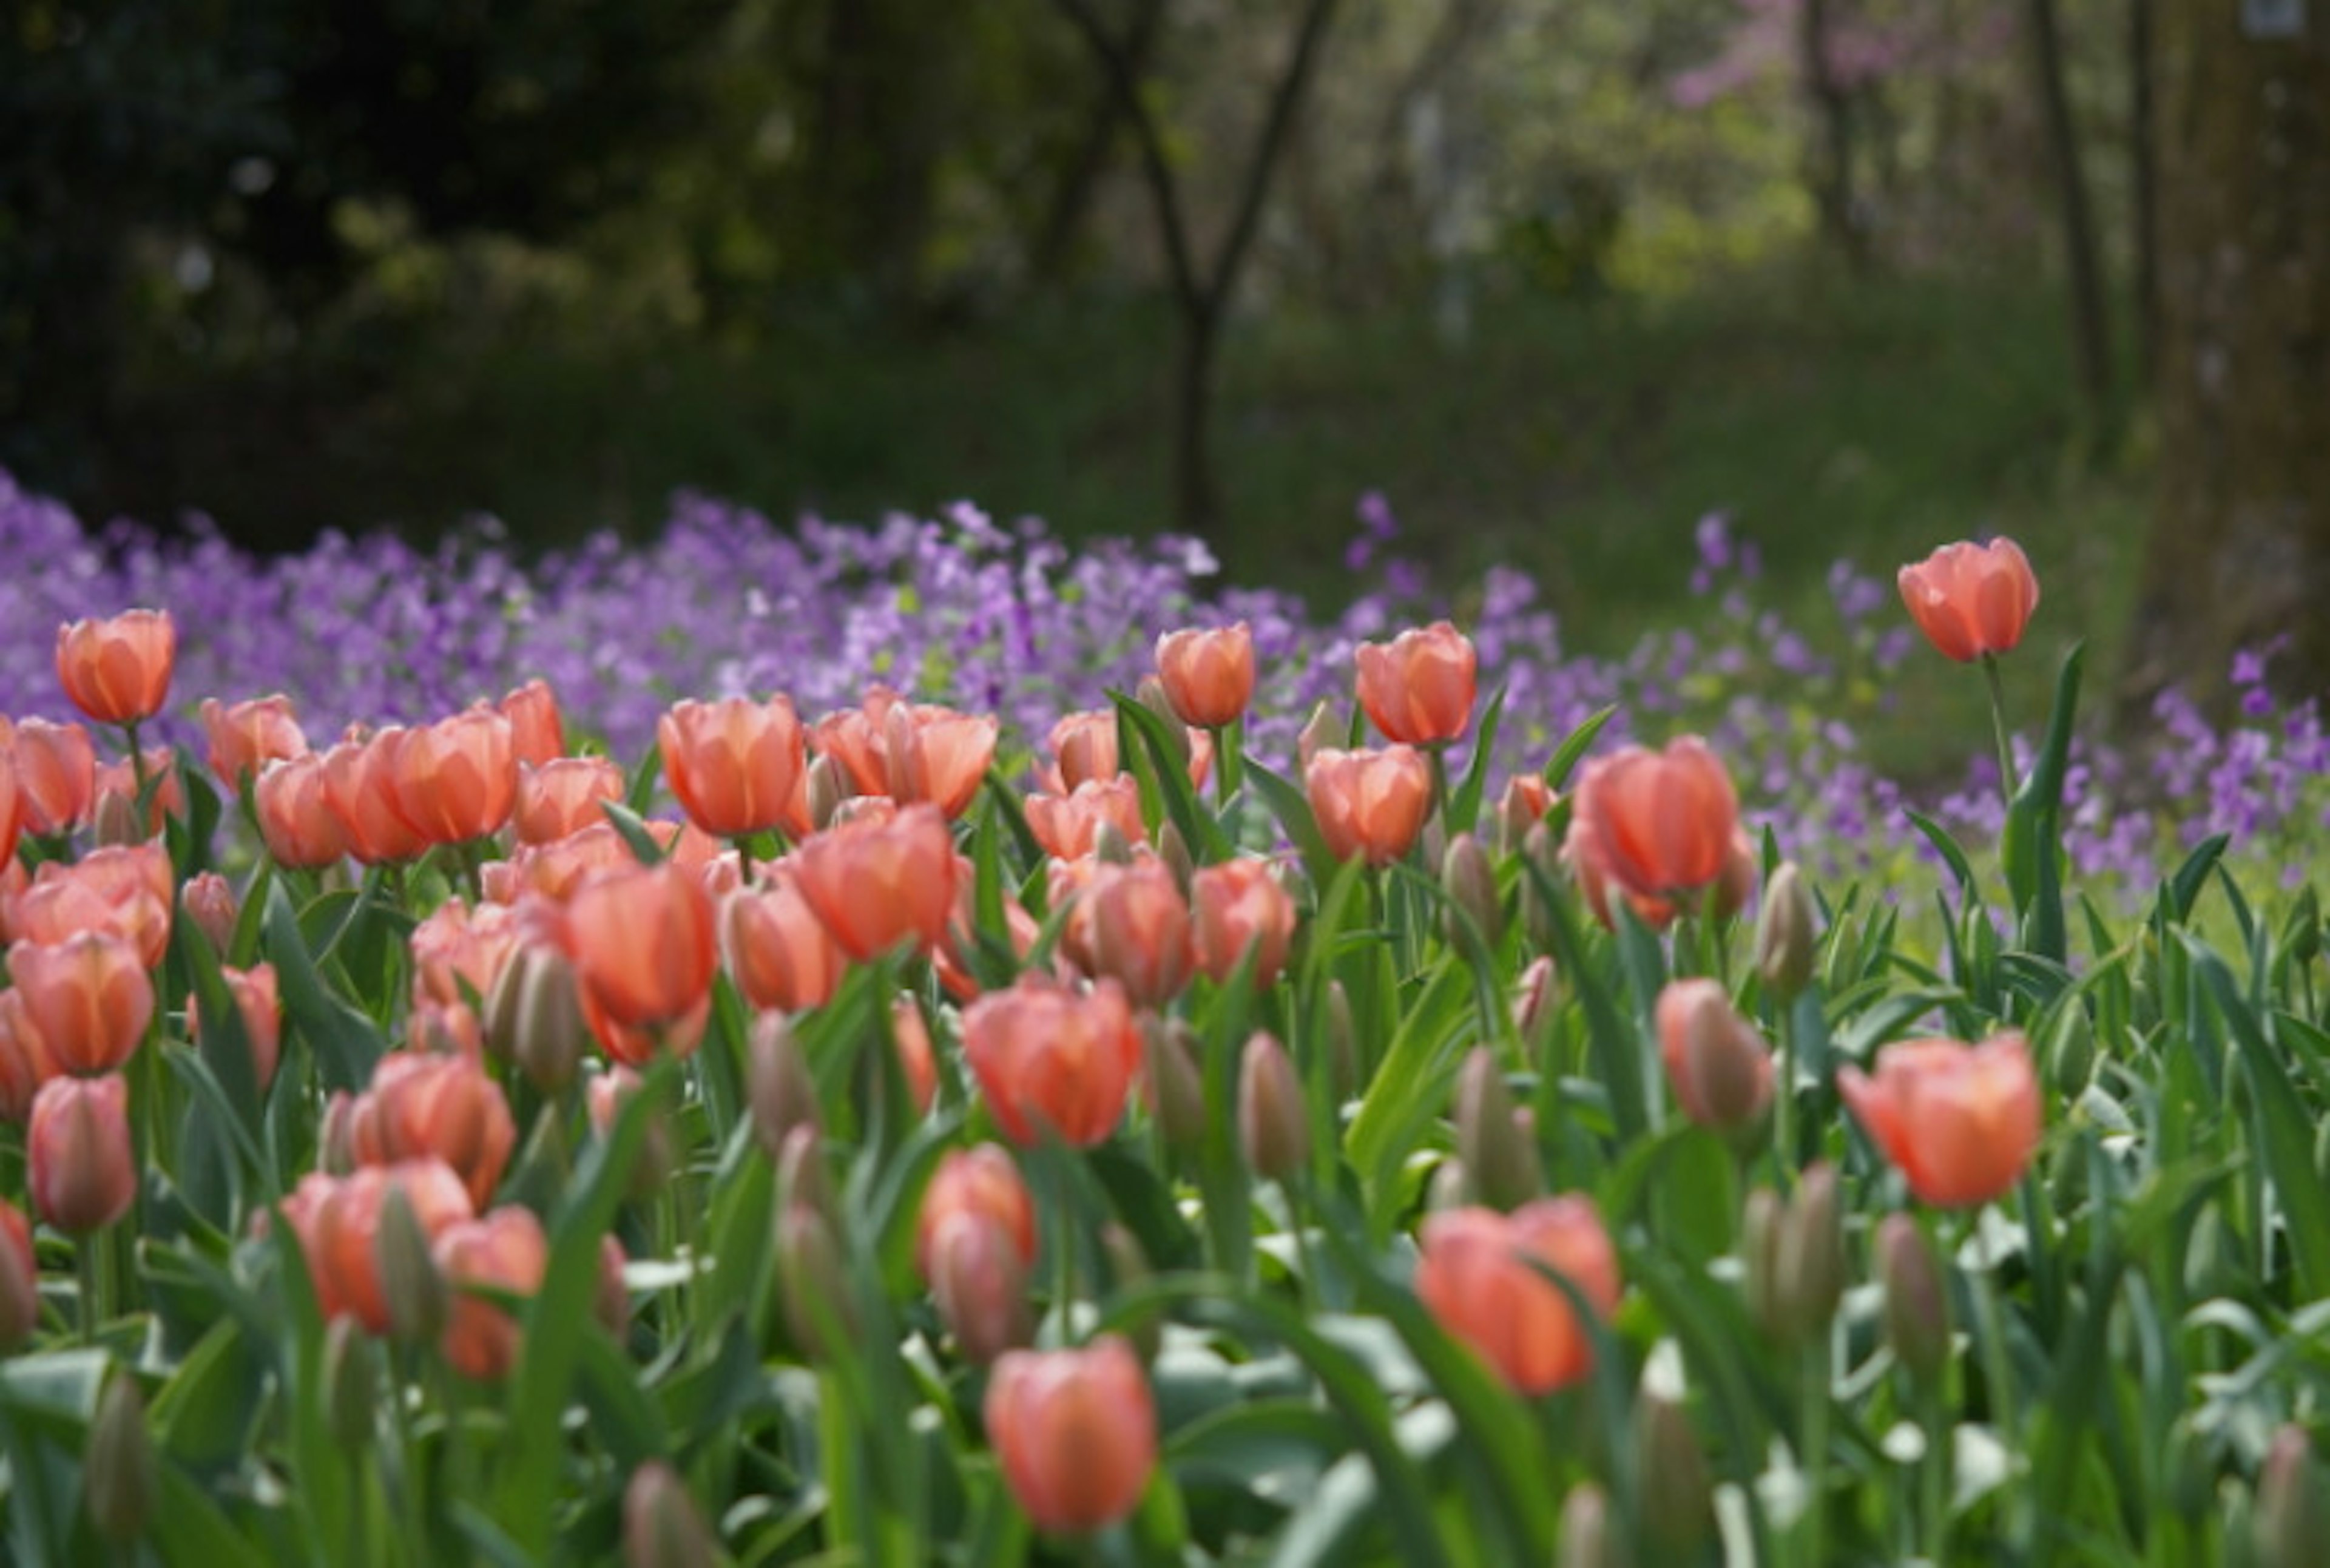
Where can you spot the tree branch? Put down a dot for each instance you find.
(1285, 98)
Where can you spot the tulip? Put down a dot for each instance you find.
(76, 1152)
(1075, 1431)
(1527, 799)
(1131, 925)
(978, 1283)
(734, 764)
(1785, 940)
(118, 671)
(113, 797)
(563, 797)
(442, 1107)
(88, 998)
(208, 901)
(507, 1251)
(604, 1097)
(56, 776)
(1419, 688)
(256, 1003)
(1960, 1120)
(917, 1061)
(11, 809)
(411, 1286)
(812, 1283)
(1499, 1157)
(244, 739)
(662, 1525)
(1478, 1276)
(1083, 750)
(20, 1279)
(118, 1484)
(337, 1220)
(1585, 1532)
(1659, 827)
(534, 1017)
(612, 1305)
(122, 890)
(2292, 1516)
(457, 779)
(910, 752)
(295, 818)
(537, 734)
(445, 1029)
(1235, 906)
(1207, 675)
(360, 786)
(981, 1183)
(779, 953)
(1469, 882)
(1176, 1088)
(645, 949)
(1916, 1303)
(1273, 1117)
(878, 884)
(458, 952)
(25, 1061)
(1718, 1065)
(1049, 1057)
(1971, 601)
(1067, 825)
(1370, 803)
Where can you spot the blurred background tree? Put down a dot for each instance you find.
(1558, 277)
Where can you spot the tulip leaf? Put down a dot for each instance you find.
(2184, 885)
(2031, 844)
(1464, 804)
(632, 828)
(1292, 807)
(343, 1042)
(1575, 746)
(1945, 846)
(1167, 775)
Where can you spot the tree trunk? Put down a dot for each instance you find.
(2143, 189)
(1831, 161)
(1196, 493)
(2239, 548)
(2091, 339)
(1063, 217)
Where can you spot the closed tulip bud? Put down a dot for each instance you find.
(1173, 849)
(1763, 1220)
(1526, 801)
(1128, 1267)
(1677, 1498)
(118, 671)
(1469, 883)
(209, 903)
(118, 1479)
(801, 1170)
(1075, 1431)
(829, 787)
(1177, 1088)
(1501, 1162)
(1784, 937)
(1811, 1249)
(1533, 999)
(534, 1017)
(20, 1280)
(1343, 1042)
(410, 1285)
(2301, 936)
(1152, 696)
(351, 1384)
(1274, 1120)
(978, 1283)
(782, 1093)
(662, 1525)
(611, 1304)
(1541, 853)
(1719, 1067)
(1325, 731)
(1585, 1536)
(2292, 1517)
(812, 1284)
(1917, 1300)
(78, 1155)
(115, 819)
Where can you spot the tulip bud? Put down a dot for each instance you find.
(1586, 1541)
(2292, 1516)
(78, 1155)
(1764, 1284)
(351, 1383)
(1177, 1089)
(1469, 883)
(1451, 1186)
(1502, 1163)
(978, 1282)
(1110, 846)
(662, 1526)
(335, 1155)
(534, 1017)
(1128, 1266)
(801, 1170)
(783, 1095)
(1152, 693)
(1916, 1302)
(2301, 934)
(611, 1306)
(1718, 1065)
(1524, 804)
(1342, 1041)
(1677, 1498)
(209, 903)
(812, 1284)
(20, 1280)
(829, 787)
(1811, 1251)
(1273, 1121)
(409, 1281)
(1785, 937)
(1174, 850)
(1533, 999)
(604, 1097)
(118, 1472)
(1541, 851)
(1324, 732)
(2069, 1052)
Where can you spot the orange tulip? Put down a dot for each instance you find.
(360, 788)
(113, 796)
(734, 764)
(1478, 1276)
(1370, 803)
(11, 809)
(1084, 748)
(77, 1153)
(1066, 825)
(984, 1184)
(244, 739)
(916, 1061)
(1719, 1067)
(1960, 1120)
(123, 890)
(20, 1279)
(979, 1284)
(1047, 1057)
(779, 953)
(445, 1107)
(208, 901)
(1207, 675)
(1419, 688)
(296, 819)
(1658, 827)
(1075, 1431)
(563, 797)
(56, 776)
(537, 733)
(644, 947)
(954, 958)
(337, 1221)
(256, 1001)
(910, 752)
(1971, 600)
(88, 999)
(1133, 926)
(505, 1252)
(118, 671)
(457, 779)
(458, 952)
(25, 1063)
(877, 883)
(1237, 905)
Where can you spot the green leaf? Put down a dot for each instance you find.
(1944, 845)
(2032, 844)
(633, 830)
(1574, 746)
(1464, 805)
(343, 1042)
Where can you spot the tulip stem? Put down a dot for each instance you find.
(1997, 1370)
(2006, 781)
(136, 776)
(1933, 1476)
(1813, 1458)
(743, 843)
(1438, 753)
(1784, 1101)
(91, 1257)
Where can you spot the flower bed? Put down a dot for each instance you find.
(670, 1096)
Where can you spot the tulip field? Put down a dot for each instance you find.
(926, 1044)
